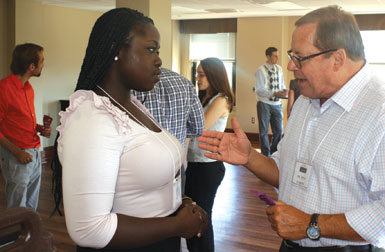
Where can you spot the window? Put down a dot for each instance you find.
(374, 49)
(220, 45)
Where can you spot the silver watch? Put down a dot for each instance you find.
(313, 231)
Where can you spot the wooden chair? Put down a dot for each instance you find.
(21, 230)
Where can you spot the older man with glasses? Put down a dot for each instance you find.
(330, 165)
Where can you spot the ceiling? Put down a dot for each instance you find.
(202, 9)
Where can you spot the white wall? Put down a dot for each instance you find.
(160, 12)
(254, 35)
(63, 32)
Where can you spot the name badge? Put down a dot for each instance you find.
(302, 174)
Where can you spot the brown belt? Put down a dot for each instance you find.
(294, 247)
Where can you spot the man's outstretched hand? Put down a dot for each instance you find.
(233, 148)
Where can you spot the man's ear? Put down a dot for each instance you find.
(340, 58)
(31, 67)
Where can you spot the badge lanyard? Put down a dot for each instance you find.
(302, 171)
(323, 139)
(176, 194)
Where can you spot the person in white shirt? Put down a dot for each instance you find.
(121, 170)
(270, 87)
(329, 166)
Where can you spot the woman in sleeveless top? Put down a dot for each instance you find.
(204, 175)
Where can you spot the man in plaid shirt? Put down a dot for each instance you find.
(175, 105)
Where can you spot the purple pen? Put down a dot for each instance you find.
(263, 197)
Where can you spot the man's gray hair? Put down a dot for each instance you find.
(335, 29)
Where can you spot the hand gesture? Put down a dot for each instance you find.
(233, 148)
(193, 218)
(24, 157)
(289, 222)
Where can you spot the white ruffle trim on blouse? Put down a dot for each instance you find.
(101, 102)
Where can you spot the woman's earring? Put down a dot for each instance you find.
(116, 58)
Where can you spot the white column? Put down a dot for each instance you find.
(160, 12)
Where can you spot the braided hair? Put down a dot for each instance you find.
(109, 34)
(107, 37)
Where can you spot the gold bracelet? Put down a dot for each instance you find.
(186, 197)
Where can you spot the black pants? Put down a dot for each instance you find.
(202, 182)
(169, 245)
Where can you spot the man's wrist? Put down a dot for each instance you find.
(39, 127)
(17, 152)
(313, 231)
(250, 158)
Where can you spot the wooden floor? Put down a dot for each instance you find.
(239, 219)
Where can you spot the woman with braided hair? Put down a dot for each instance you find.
(121, 177)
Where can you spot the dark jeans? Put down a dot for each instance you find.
(169, 245)
(202, 182)
(269, 114)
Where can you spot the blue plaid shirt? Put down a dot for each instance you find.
(348, 169)
(175, 105)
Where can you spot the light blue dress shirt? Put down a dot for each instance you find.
(348, 169)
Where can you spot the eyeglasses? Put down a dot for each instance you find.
(297, 60)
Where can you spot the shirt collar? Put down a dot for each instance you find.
(18, 82)
(270, 67)
(346, 96)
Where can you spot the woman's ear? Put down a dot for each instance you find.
(119, 55)
(116, 57)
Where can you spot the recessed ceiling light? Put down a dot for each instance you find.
(222, 10)
(284, 6)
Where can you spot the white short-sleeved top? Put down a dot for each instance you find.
(111, 164)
